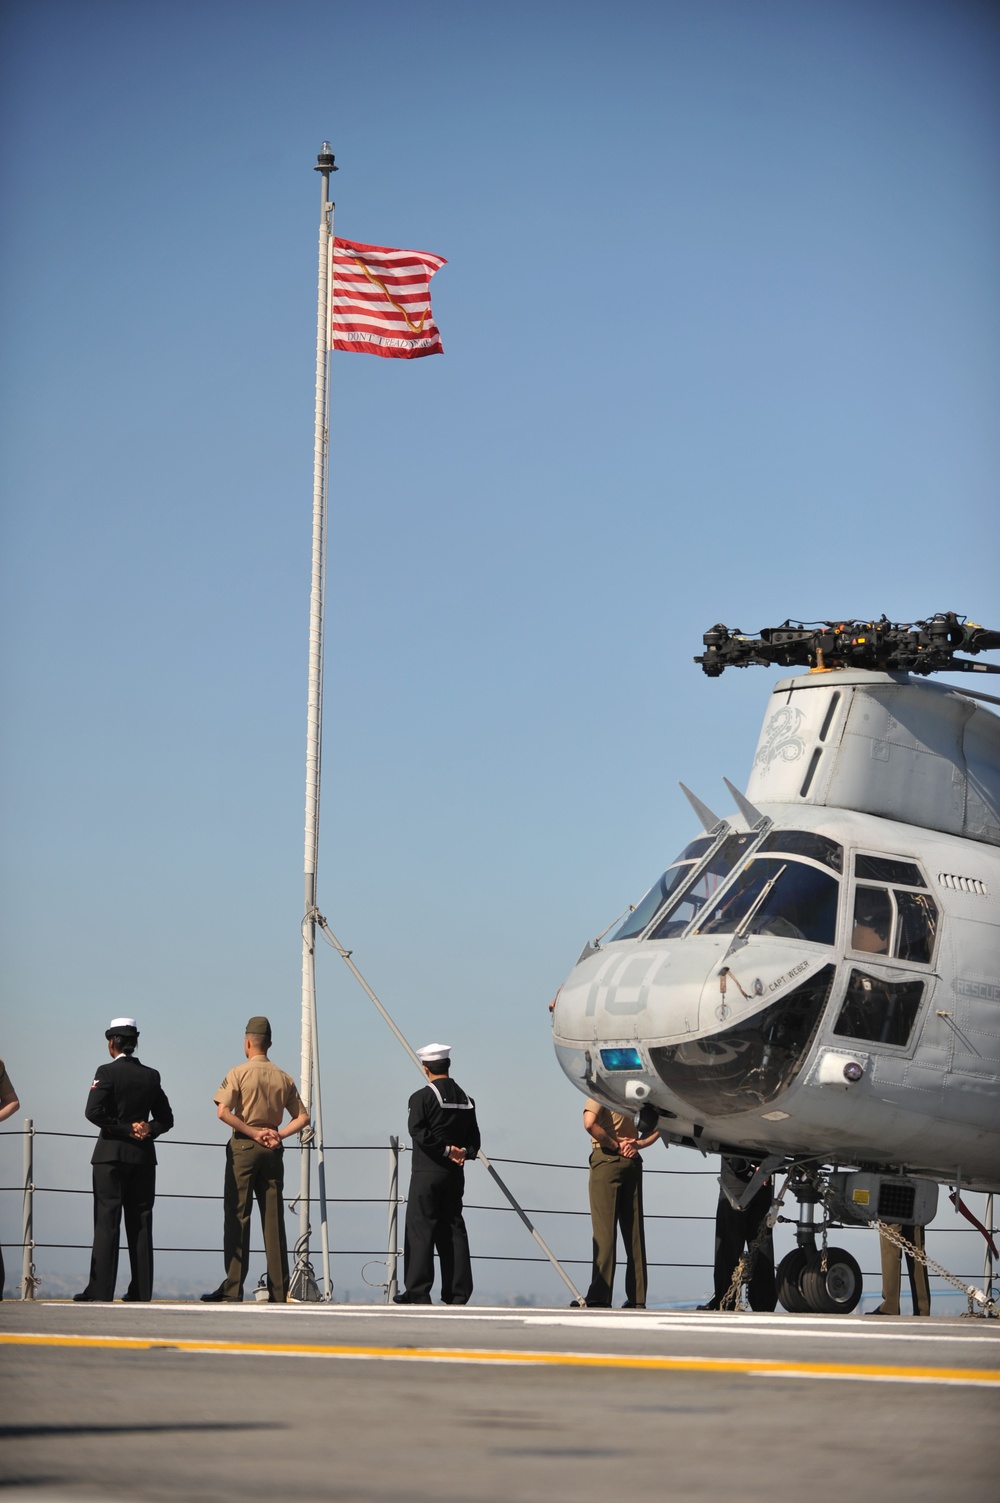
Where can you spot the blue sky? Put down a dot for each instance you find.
(720, 319)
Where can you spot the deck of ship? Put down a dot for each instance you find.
(369, 1403)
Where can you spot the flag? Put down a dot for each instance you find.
(382, 301)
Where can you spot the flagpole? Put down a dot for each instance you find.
(314, 732)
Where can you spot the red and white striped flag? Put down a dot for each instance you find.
(382, 301)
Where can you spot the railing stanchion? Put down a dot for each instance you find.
(391, 1284)
(28, 1213)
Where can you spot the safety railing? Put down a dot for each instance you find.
(36, 1195)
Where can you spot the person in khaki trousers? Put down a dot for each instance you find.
(892, 1258)
(616, 1201)
(252, 1100)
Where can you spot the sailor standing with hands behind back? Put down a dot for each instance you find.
(616, 1201)
(445, 1133)
(127, 1103)
(252, 1100)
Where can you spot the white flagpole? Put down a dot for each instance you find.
(314, 731)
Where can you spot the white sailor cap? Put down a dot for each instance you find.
(121, 1025)
(430, 1054)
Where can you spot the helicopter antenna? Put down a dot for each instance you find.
(752, 815)
(710, 822)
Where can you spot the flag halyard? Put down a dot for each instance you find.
(382, 301)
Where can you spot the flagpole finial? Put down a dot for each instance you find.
(325, 160)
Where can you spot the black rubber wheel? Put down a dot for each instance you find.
(789, 1280)
(839, 1290)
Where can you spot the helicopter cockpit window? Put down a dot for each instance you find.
(778, 896)
(748, 1065)
(917, 926)
(661, 890)
(878, 1010)
(872, 920)
(892, 921)
(888, 869)
(690, 899)
(806, 843)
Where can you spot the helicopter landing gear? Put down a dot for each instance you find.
(789, 1274)
(835, 1290)
(825, 1281)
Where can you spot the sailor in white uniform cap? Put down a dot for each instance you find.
(432, 1054)
(443, 1128)
(128, 1104)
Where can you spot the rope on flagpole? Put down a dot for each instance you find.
(345, 956)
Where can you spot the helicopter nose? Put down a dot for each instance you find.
(669, 992)
(639, 991)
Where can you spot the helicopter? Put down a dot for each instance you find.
(814, 981)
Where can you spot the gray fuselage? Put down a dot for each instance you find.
(820, 976)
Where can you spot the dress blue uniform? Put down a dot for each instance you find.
(124, 1168)
(441, 1117)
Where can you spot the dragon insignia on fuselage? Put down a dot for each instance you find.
(781, 741)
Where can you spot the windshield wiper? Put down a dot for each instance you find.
(740, 931)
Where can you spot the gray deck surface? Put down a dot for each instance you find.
(368, 1403)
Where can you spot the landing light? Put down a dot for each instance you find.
(853, 1071)
(621, 1059)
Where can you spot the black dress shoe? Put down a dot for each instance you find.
(631, 1305)
(411, 1299)
(217, 1297)
(83, 1298)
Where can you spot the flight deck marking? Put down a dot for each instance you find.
(796, 1329)
(719, 1323)
(750, 1367)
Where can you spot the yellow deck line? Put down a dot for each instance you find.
(767, 1367)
